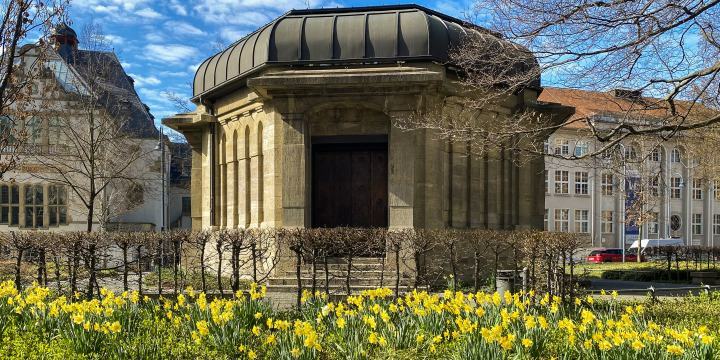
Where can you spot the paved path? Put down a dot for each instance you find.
(626, 287)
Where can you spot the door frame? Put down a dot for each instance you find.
(348, 142)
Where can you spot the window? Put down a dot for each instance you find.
(716, 190)
(630, 153)
(545, 224)
(561, 182)
(186, 205)
(654, 185)
(675, 185)
(607, 222)
(56, 136)
(716, 224)
(607, 184)
(697, 189)
(582, 223)
(33, 128)
(697, 224)
(675, 156)
(546, 181)
(581, 182)
(9, 205)
(581, 148)
(562, 220)
(562, 147)
(33, 206)
(653, 225)
(57, 205)
(655, 155)
(546, 147)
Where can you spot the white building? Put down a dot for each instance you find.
(32, 202)
(589, 196)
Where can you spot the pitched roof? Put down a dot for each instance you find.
(118, 93)
(618, 104)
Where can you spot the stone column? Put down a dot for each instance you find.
(459, 184)
(401, 175)
(295, 171)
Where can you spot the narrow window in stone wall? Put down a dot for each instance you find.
(247, 176)
(236, 183)
(9, 205)
(675, 187)
(716, 224)
(546, 181)
(655, 155)
(562, 220)
(223, 182)
(545, 223)
(261, 173)
(675, 156)
(582, 223)
(34, 208)
(607, 184)
(697, 224)
(57, 205)
(562, 147)
(653, 225)
(654, 185)
(581, 182)
(561, 182)
(607, 222)
(697, 189)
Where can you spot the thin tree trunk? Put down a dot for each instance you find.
(57, 272)
(159, 265)
(314, 270)
(92, 265)
(176, 259)
(18, 263)
(219, 267)
(477, 271)
(327, 273)
(139, 269)
(347, 276)
(397, 271)
(125, 266)
(253, 249)
(202, 268)
(298, 277)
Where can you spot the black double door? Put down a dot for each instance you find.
(349, 185)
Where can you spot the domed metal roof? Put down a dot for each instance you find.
(368, 35)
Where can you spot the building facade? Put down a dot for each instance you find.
(44, 191)
(294, 127)
(591, 196)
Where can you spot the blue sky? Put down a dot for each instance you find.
(161, 42)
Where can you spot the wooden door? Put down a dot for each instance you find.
(349, 186)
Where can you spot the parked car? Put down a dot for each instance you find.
(609, 255)
(647, 245)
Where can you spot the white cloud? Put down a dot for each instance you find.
(154, 37)
(148, 13)
(247, 12)
(231, 34)
(179, 8)
(142, 81)
(193, 68)
(170, 53)
(114, 39)
(126, 65)
(183, 28)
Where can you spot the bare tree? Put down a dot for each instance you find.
(21, 20)
(101, 151)
(667, 51)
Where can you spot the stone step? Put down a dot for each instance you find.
(343, 267)
(355, 260)
(320, 282)
(338, 273)
(335, 290)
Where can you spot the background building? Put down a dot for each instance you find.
(34, 196)
(590, 196)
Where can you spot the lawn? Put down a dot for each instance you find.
(373, 325)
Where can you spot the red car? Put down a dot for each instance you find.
(609, 255)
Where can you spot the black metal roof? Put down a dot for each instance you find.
(377, 34)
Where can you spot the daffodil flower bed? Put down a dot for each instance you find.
(453, 325)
